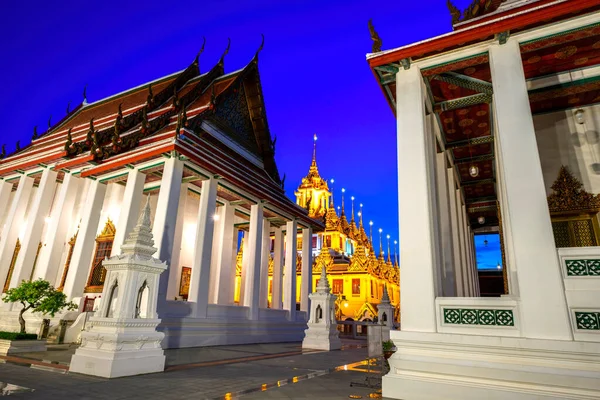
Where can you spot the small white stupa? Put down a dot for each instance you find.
(322, 333)
(123, 340)
(385, 310)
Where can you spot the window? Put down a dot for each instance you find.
(328, 241)
(184, 283)
(314, 242)
(68, 261)
(372, 291)
(338, 286)
(355, 287)
(141, 305)
(104, 243)
(12, 266)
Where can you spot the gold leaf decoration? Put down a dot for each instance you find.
(569, 195)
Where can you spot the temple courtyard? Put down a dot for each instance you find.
(272, 371)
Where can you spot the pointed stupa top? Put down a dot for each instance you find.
(313, 172)
(385, 298)
(140, 241)
(323, 286)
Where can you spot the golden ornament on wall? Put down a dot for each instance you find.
(565, 52)
(464, 111)
(452, 87)
(470, 71)
(465, 122)
(574, 100)
(482, 125)
(534, 59)
(481, 113)
(596, 45)
(448, 120)
(581, 61)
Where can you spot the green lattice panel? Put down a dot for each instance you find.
(470, 316)
(589, 321)
(583, 267)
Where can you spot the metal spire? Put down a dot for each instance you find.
(352, 198)
(388, 255)
(380, 242)
(343, 191)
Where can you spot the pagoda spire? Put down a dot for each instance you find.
(389, 260)
(395, 253)
(352, 200)
(380, 243)
(343, 213)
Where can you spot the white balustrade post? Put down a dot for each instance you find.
(543, 312)
(277, 270)
(306, 277)
(289, 279)
(84, 245)
(416, 205)
(14, 222)
(36, 218)
(56, 231)
(130, 208)
(200, 279)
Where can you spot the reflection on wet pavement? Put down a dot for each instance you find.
(6, 389)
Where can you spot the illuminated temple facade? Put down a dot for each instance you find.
(198, 144)
(497, 130)
(357, 273)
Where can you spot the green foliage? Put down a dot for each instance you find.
(17, 336)
(388, 345)
(38, 296)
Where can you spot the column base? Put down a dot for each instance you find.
(465, 367)
(321, 338)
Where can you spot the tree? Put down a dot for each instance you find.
(38, 296)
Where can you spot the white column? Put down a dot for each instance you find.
(252, 284)
(217, 245)
(447, 259)
(544, 312)
(417, 244)
(462, 241)
(84, 246)
(57, 229)
(245, 247)
(225, 266)
(130, 208)
(14, 222)
(277, 270)
(165, 220)
(5, 191)
(454, 235)
(306, 277)
(36, 217)
(264, 265)
(174, 271)
(468, 267)
(199, 281)
(289, 280)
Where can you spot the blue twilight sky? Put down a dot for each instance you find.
(488, 254)
(313, 70)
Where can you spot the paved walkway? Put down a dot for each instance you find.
(224, 372)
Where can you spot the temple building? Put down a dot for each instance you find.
(198, 143)
(497, 130)
(357, 273)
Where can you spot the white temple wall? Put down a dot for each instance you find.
(562, 141)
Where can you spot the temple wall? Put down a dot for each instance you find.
(562, 141)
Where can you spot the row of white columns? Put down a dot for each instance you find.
(534, 273)
(213, 266)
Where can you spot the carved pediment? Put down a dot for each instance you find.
(569, 195)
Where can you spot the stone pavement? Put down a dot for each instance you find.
(224, 372)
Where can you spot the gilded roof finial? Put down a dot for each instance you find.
(262, 44)
(375, 38)
(35, 134)
(454, 12)
(343, 191)
(85, 95)
(225, 52)
(331, 197)
(197, 59)
(68, 107)
(3, 151)
(380, 242)
(50, 122)
(352, 200)
(395, 253)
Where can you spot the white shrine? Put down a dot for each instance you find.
(488, 116)
(322, 333)
(385, 310)
(123, 340)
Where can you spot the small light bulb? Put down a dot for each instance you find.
(380, 230)
(579, 117)
(47, 219)
(473, 170)
(315, 137)
(343, 190)
(352, 198)
(481, 220)
(216, 217)
(371, 223)
(332, 180)
(359, 213)
(395, 242)
(388, 236)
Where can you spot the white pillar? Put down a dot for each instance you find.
(57, 229)
(289, 280)
(175, 269)
(417, 244)
(252, 284)
(544, 312)
(14, 222)
(454, 235)
(245, 247)
(34, 226)
(5, 191)
(217, 244)
(306, 277)
(466, 242)
(225, 265)
(277, 270)
(447, 252)
(130, 208)
(200, 279)
(165, 219)
(264, 265)
(84, 246)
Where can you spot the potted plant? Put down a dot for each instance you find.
(38, 296)
(388, 348)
